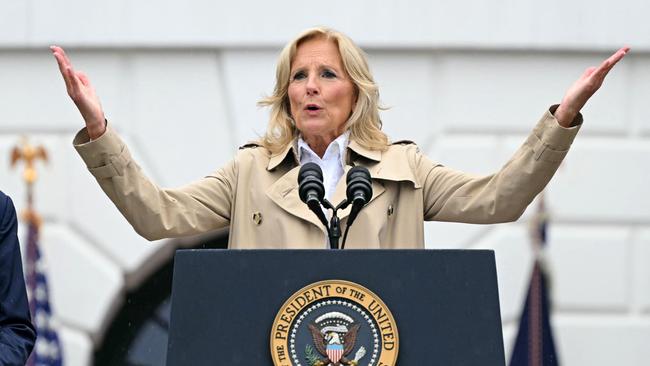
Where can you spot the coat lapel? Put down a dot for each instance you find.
(383, 166)
(284, 192)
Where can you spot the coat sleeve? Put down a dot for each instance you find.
(156, 212)
(451, 195)
(17, 334)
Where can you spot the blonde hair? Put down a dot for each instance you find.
(364, 123)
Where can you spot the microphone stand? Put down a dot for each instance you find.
(334, 228)
(312, 192)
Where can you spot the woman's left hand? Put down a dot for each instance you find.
(580, 92)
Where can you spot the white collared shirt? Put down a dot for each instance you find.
(332, 163)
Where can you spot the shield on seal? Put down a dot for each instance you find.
(334, 352)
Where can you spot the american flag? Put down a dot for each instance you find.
(534, 345)
(47, 350)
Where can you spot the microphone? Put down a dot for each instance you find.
(359, 190)
(311, 189)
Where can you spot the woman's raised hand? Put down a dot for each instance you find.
(580, 92)
(82, 94)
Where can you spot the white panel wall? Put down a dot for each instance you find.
(602, 340)
(579, 24)
(641, 273)
(591, 267)
(467, 80)
(249, 76)
(617, 174)
(13, 22)
(407, 85)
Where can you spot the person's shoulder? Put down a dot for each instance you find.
(398, 152)
(5, 201)
(402, 143)
(253, 152)
(7, 210)
(401, 147)
(251, 145)
(253, 148)
(402, 151)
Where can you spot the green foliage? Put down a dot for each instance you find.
(310, 355)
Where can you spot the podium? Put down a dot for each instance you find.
(227, 306)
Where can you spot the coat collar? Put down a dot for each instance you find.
(284, 192)
(374, 155)
(391, 165)
(290, 149)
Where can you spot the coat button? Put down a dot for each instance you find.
(391, 210)
(257, 218)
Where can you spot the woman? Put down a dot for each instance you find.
(325, 109)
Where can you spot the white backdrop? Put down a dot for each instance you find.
(465, 80)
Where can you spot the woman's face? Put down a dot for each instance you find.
(321, 93)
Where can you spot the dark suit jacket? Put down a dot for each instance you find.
(17, 334)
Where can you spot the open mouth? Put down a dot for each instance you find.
(312, 107)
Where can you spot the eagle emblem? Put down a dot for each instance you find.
(334, 323)
(334, 336)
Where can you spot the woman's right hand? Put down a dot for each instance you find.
(82, 94)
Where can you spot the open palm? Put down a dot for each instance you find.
(579, 93)
(82, 94)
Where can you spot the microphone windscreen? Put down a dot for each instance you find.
(310, 168)
(310, 180)
(359, 185)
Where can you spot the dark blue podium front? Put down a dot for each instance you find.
(445, 302)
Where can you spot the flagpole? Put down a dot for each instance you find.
(535, 337)
(534, 345)
(47, 350)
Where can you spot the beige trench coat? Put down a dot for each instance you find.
(256, 194)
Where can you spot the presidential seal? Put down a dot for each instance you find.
(334, 323)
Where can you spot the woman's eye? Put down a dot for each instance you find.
(299, 75)
(328, 74)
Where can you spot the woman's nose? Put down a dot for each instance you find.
(312, 86)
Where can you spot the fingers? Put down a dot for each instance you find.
(65, 67)
(67, 60)
(84, 78)
(73, 80)
(60, 56)
(609, 63)
(75, 84)
(588, 72)
(615, 58)
(62, 66)
(61, 51)
(583, 89)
